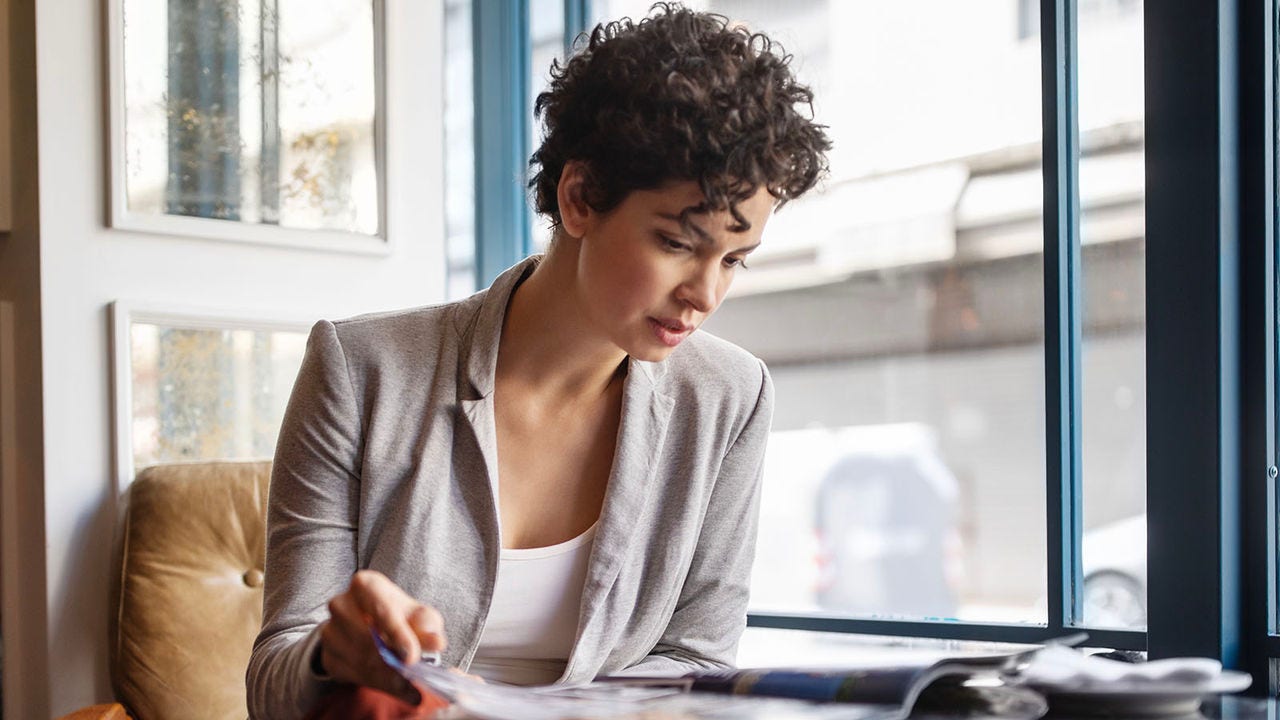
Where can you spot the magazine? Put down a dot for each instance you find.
(879, 693)
(896, 686)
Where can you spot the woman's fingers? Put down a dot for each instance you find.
(347, 632)
(353, 669)
(427, 623)
(347, 649)
(388, 607)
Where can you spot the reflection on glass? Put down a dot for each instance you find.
(259, 112)
(1113, 241)
(900, 311)
(202, 394)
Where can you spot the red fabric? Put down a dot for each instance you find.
(352, 702)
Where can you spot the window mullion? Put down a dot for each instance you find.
(1257, 28)
(1061, 309)
(501, 56)
(1193, 378)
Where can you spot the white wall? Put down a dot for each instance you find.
(84, 266)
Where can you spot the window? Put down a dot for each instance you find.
(459, 154)
(547, 44)
(898, 308)
(1113, 350)
(987, 378)
(491, 127)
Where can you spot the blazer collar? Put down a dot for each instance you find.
(645, 411)
(481, 336)
(479, 357)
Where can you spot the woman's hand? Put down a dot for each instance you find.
(347, 652)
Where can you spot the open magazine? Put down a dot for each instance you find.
(881, 693)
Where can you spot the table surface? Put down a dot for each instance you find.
(1234, 707)
(1240, 708)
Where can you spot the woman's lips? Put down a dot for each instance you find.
(669, 332)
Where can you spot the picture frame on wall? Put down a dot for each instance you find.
(260, 122)
(193, 384)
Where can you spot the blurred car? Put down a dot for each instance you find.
(886, 525)
(885, 519)
(1114, 558)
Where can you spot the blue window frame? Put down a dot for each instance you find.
(500, 33)
(1211, 337)
(1259, 26)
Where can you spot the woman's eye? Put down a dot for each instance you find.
(672, 244)
(734, 262)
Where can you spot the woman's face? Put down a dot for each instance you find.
(645, 282)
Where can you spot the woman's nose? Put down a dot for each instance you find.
(701, 290)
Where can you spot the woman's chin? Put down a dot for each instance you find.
(652, 353)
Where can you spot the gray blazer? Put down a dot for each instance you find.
(387, 460)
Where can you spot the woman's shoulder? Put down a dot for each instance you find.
(410, 330)
(702, 347)
(705, 364)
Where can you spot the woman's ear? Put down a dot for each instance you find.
(575, 213)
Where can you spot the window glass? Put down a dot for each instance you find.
(900, 311)
(205, 394)
(259, 112)
(459, 151)
(1113, 241)
(546, 44)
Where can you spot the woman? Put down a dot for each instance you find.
(556, 477)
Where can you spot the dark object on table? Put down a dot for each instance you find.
(1125, 656)
(955, 698)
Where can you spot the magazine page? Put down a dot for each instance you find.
(474, 698)
(895, 684)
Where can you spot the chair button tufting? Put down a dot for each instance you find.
(253, 578)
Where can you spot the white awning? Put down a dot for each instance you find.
(934, 214)
(895, 220)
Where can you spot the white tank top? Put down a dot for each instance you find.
(533, 619)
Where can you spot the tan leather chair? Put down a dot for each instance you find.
(189, 602)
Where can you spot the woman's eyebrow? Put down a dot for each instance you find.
(702, 235)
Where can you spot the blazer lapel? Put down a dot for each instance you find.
(478, 362)
(478, 416)
(641, 435)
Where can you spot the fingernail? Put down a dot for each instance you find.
(436, 641)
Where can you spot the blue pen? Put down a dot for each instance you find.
(392, 659)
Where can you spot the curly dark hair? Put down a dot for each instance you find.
(679, 95)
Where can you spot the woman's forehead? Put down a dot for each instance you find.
(686, 209)
(675, 197)
(684, 199)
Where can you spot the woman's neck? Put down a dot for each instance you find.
(546, 346)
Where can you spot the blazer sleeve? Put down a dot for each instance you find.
(311, 529)
(711, 612)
